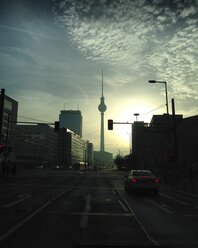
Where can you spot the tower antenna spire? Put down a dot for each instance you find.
(102, 82)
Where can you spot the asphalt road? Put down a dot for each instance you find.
(46, 208)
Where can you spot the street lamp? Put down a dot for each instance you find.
(165, 83)
(136, 115)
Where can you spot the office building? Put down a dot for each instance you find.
(8, 119)
(71, 119)
(161, 145)
(90, 154)
(36, 145)
(71, 149)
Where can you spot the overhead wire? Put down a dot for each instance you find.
(153, 110)
(29, 118)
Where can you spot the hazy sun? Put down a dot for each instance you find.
(128, 115)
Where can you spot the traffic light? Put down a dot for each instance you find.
(56, 126)
(110, 124)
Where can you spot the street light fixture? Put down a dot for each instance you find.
(165, 84)
(136, 115)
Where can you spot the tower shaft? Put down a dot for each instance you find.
(102, 148)
(102, 108)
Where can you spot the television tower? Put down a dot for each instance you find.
(102, 108)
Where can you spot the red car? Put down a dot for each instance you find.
(142, 180)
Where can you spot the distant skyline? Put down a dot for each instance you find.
(52, 53)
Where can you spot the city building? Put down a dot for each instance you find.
(36, 145)
(8, 119)
(71, 119)
(71, 149)
(165, 141)
(187, 141)
(103, 159)
(90, 154)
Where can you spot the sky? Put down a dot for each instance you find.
(52, 53)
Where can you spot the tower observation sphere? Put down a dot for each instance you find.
(102, 107)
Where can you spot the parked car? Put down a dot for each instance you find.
(143, 180)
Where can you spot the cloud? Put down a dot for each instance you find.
(139, 35)
(188, 11)
(33, 34)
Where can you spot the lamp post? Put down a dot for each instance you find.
(165, 84)
(136, 115)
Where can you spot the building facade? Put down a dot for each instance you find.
(71, 149)
(71, 119)
(165, 143)
(36, 145)
(90, 154)
(103, 159)
(187, 141)
(8, 119)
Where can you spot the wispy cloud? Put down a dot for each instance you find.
(141, 35)
(33, 34)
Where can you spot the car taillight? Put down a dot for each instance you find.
(133, 180)
(156, 180)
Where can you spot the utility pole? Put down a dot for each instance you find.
(7, 136)
(174, 128)
(2, 97)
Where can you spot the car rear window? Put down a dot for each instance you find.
(142, 173)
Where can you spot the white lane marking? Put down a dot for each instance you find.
(181, 202)
(151, 239)
(190, 215)
(84, 218)
(94, 187)
(123, 206)
(91, 214)
(17, 226)
(163, 207)
(22, 198)
(167, 196)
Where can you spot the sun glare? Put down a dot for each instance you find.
(123, 131)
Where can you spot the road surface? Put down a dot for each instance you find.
(49, 208)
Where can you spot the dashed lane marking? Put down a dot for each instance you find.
(90, 213)
(22, 198)
(149, 237)
(84, 218)
(123, 206)
(22, 222)
(179, 201)
(163, 207)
